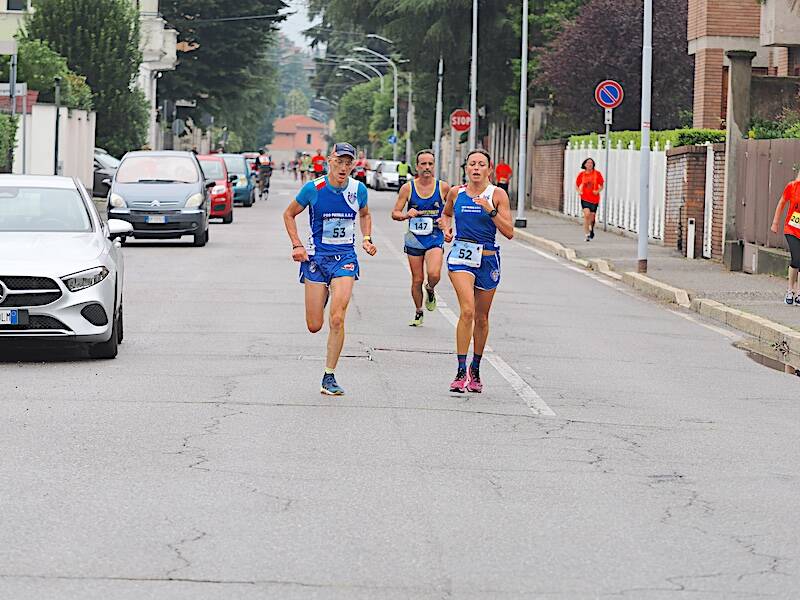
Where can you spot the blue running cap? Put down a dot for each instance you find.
(344, 149)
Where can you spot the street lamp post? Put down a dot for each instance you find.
(409, 118)
(644, 173)
(394, 70)
(57, 81)
(368, 66)
(521, 221)
(354, 70)
(473, 78)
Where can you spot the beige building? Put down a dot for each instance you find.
(159, 53)
(12, 12)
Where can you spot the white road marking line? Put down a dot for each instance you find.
(521, 387)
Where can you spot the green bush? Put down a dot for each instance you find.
(675, 137)
(8, 137)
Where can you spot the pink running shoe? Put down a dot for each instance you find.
(474, 381)
(460, 382)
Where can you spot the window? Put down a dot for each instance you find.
(308, 139)
(17, 5)
(157, 169)
(42, 209)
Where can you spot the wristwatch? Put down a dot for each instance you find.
(493, 214)
(368, 238)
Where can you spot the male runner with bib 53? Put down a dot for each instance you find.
(328, 263)
(424, 241)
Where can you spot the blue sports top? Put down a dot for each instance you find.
(472, 223)
(332, 215)
(428, 208)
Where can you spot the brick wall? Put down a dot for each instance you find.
(724, 18)
(718, 217)
(548, 174)
(708, 88)
(686, 182)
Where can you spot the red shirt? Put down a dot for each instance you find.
(791, 194)
(590, 183)
(319, 163)
(502, 172)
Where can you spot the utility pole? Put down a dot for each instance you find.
(644, 174)
(409, 118)
(58, 123)
(521, 221)
(437, 144)
(473, 79)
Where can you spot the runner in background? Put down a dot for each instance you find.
(305, 167)
(360, 168)
(502, 174)
(791, 230)
(403, 169)
(318, 164)
(589, 184)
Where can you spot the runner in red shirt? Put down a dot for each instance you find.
(502, 173)
(791, 230)
(318, 164)
(589, 184)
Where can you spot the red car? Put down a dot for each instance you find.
(221, 194)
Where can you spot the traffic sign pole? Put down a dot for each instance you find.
(608, 94)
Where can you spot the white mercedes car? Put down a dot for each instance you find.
(61, 272)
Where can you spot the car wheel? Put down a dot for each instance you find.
(120, 326)
(107, 349)
(250, 200)
(228, 218)
(200, 239)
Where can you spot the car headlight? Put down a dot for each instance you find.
(85, 279)
(218, 190)
(242, 181)
(116, 201)
(194, 201)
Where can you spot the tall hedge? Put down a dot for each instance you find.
(8, 137)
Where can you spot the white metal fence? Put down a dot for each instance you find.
(621, 191)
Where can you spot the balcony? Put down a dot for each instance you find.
(780, 24)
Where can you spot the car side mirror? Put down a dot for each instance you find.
(119, 228)
(233, 178)
(107, 181)
(210, 183)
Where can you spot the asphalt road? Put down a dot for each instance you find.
(620, 449)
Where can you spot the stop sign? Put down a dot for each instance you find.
(460, 120)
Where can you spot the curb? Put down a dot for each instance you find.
(766, 331)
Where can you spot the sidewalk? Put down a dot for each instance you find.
(703, 280)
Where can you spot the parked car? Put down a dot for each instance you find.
(244, 188)
(386, 177)
(371, 166)
(105, 166)
(222, 193)
(61, 275)
(162, 194)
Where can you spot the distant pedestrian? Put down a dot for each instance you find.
(791, 230)
(589, 185)
(403, 169)
(502, 174)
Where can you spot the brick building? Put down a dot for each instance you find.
(771, 30)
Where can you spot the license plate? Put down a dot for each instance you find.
(155, 219)
(9, 317)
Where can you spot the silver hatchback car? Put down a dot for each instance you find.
(61, 273)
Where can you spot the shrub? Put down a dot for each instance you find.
(8, 137)
(675, 137)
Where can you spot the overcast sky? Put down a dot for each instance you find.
(292, 26)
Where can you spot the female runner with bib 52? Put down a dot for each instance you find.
(478, 209)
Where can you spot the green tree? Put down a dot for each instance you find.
(38, 66)
(104, 49)
(355, 109)
(228, 73)
(605, 42)
(296, 103)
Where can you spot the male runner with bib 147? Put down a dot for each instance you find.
(328, 263)
(424, 241)
(479, 210)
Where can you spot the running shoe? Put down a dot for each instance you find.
(460, 382)
(588, 237)
(430, 299)
(474, 381)
(329, 386)
(591, 234)
(417, 320)
(789, 299)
